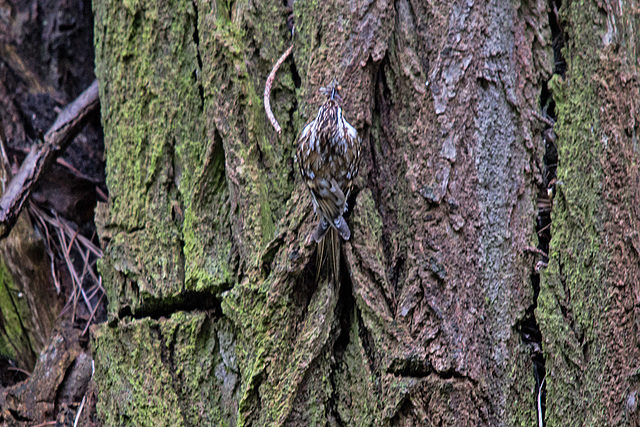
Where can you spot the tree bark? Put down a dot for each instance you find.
(588, 305)
(217, 316)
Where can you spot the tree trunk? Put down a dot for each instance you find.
(588, 305)
(217, 313)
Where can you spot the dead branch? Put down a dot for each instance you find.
(69, 122)
(267, 89)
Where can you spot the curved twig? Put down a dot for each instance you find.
(267, 89)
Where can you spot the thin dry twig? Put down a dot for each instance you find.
(93, 291)
(38, 214)
(13, 368)
(542, 118)
(267, 90)
(73, 238)
(75, 424)
(543, 229)
(93, 371)
(103, 196)
(540, 418)
(93, 313)
(531, 249)
(61, 162)
(65, 229)
(67, 240)
(92, 272)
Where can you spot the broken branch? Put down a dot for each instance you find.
(69, 122)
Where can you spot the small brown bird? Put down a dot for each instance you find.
(328, 156)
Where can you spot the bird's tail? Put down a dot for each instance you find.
(329, 255)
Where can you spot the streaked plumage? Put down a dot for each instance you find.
(328, 156)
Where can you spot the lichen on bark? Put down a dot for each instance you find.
(584, 311)
(179, 371)
(205, 200)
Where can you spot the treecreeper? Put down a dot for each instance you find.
(328, 155)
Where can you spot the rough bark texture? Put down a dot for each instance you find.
(216, 314)
(588, 304)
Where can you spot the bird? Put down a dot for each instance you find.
(328, 155)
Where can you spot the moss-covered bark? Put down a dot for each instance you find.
(585, 309)
(207, 218)
(177, 371)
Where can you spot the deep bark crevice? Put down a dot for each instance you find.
(344, 310)
(367, 343)
(558, 37)
(16, 415)
(196, 41)
(529, 327)
(382, 175)
(345, 306)
(60, 390)
(187, 301)
(455, 375)
(297, 81)
(306, 287)
(177, 208)
(531, 335)
(412, 367)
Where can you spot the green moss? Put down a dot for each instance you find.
(135, 388)
(150, 110)
(16, 341)
(573, 296)
(269, 387)
(199, 185)
(258, 162)
(521, 402)
(168, 217)
(177, 371)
